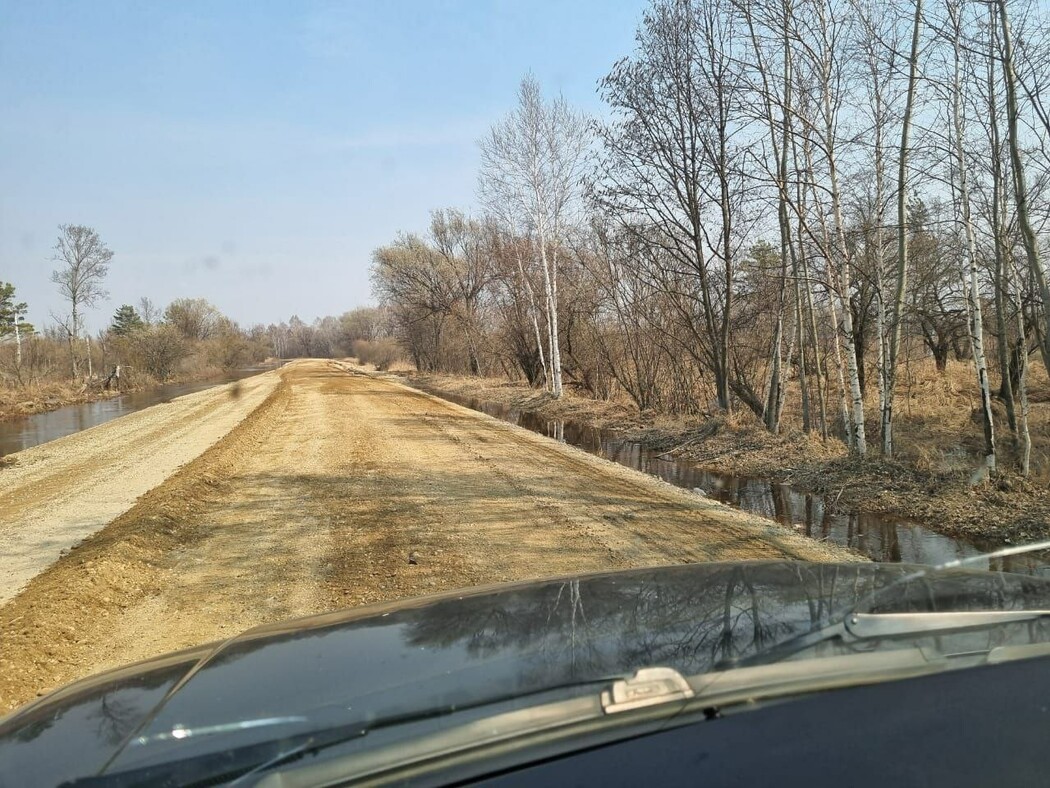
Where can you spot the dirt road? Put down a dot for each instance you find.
(315, 501)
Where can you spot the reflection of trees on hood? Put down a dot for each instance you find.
(117, 718)
(686, 617)
(117, 709)
(689, 618)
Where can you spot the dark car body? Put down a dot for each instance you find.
(457, 651)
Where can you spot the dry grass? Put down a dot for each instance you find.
(16, 401)
(621, 415)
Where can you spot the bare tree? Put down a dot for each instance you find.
(531, 168)
(778, 100)
(83, 264)
(148, 311)
(896, 322)
(1028, 236)
(195, 318)
(955, 15)
(671, 168)
(880, 45)
(465, 246)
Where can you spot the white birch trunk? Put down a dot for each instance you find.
(18, 347)
(533, 311)
(1031, 244)
(1022, 393)
(896, 324)
(842, 284)
(973, 291)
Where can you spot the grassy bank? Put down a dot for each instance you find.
(44, 396)
(930, 481)
(16, 402)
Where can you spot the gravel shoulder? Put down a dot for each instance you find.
(316, 500)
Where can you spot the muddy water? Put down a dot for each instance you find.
(24, 433)
(880, 538)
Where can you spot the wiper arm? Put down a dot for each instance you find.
(888, 625)
(857, 624)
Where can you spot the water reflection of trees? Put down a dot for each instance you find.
(881, 539)
(117, 718)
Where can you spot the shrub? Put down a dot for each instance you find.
(380, 352)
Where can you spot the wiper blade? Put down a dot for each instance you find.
(319, 730)
(342, 733)
(881, 625)
(858, 624)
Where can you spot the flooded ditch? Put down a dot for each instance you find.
(24, 433)
(881, 538)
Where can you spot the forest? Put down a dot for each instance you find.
(789, 211)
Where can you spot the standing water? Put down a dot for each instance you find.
(880, 538)
(26, 432)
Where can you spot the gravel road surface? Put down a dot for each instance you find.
(314, 501)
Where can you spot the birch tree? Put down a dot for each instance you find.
(1013, 367)
(897, 313)
(1028, 236)
(531, 172)
(12, 321)
(961, 184)
(83, 264)
(825, 58)
(880, 45)
(775, 93)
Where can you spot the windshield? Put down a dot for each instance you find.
(307, 308)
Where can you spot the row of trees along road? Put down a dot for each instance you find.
(810, 192)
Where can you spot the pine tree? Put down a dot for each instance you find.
(126, 321)
(11, 312)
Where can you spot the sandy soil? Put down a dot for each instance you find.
(54, 495)
(317, 500)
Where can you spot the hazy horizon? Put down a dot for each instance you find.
(256, 156)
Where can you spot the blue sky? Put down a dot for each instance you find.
(255, 153)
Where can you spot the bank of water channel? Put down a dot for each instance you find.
(881, 538)
(24, 433)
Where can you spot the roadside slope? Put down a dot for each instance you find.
(60, 492)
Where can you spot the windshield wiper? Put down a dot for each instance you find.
(328, 727)
(888, 625)
(858, 624)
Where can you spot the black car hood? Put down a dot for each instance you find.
(451, 651)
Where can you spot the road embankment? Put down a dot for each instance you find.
(317, 499)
